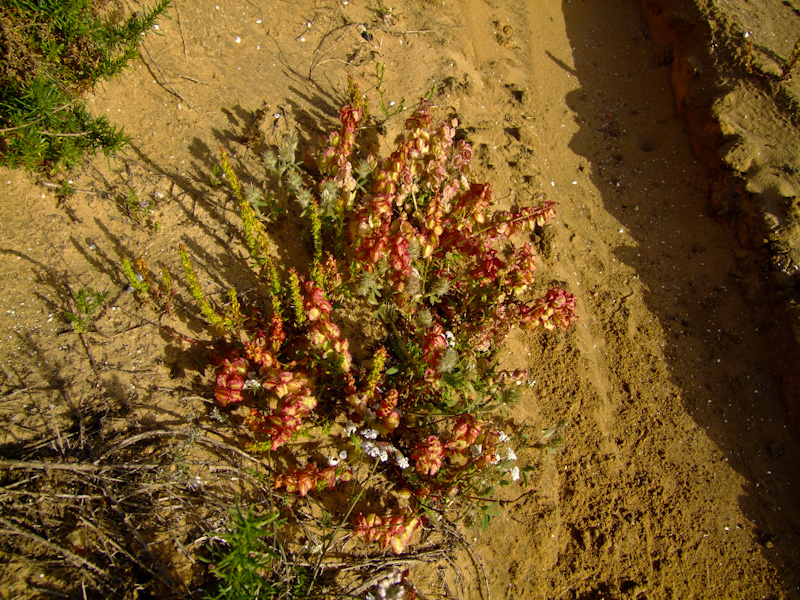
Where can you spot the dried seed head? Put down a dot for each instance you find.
(367, 284)
(388, 313)
(288, 148)
(414, 249)
(293, 181)
(424, 319)
(440, 287)
(252, 194)
(448, 362)
(363, 169)
(269, 160)
(329, 194)
(304, 198)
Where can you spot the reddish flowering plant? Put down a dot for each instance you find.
(335, 159)
(556, 309)
(295, 404)
(389, 418)
(230, 381)
(302, 481)
(428, 455)
(433, 346)
(466, 431)
(323, 333)
(451, 286)
(392, 532)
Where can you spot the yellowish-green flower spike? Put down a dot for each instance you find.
(166, 279)
(378, 363)
(297, 297)
(276, 302)
(197, 292)
(233, 313)
(230, 174)
(258, 243)
(317, 274)
(137, 282)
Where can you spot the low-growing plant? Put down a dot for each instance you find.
(85, 302)
(51, 51)
(244, 563)
(160, 292)
(410, 248)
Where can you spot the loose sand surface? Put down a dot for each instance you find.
(679, 478)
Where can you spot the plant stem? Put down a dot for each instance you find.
(329, 543)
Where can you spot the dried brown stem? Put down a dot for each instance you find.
(474, 555)
(71, 557)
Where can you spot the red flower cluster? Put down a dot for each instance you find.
(233, 372)
(556, 309)
(519, 276)
(230, 380)
(303, 481)
(292, 389)
(295, 403)
(428, 455)
(393, 532)
(433, 346)
(466, 431)
(421, 196)
(417, 169)
(387, 413)
(323, 333)
(263, 347)
(335, 159)
(507, 223)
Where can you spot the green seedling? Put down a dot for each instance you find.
(86, 302)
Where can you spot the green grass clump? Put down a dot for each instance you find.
(248, 566)
(51, 52)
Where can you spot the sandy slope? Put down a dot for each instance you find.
(679, 478)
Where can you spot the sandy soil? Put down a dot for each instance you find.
(679, 478)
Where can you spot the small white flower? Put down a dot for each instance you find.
(495, 458)
(450, 338)
(504, 437)
(333, 460)
(514, 473)
(510, 454)
(369, 434)
(195, 485)
(350, 428)
(252, 384)
(402, 461)
(342, 454)
(476, 450)
(383, 455)
(370, 449)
